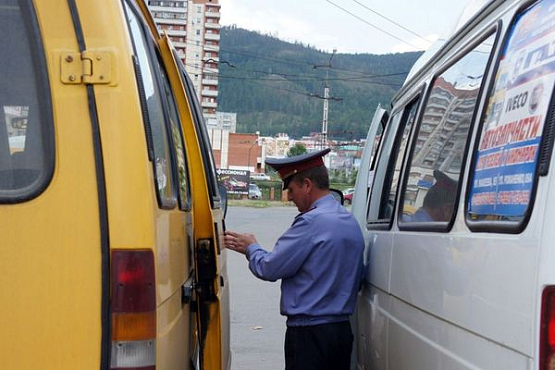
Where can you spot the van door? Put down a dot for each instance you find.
(210, 256)
(216, 319)
(363, 186)
(52, 210)
(170, 194)
(373, 303)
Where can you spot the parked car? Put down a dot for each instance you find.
(348, 195)
(254, 192)
(260, 176)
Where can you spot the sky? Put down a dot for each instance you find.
(349, 26)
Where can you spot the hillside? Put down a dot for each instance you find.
(276, 86)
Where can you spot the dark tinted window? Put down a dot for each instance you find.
(26, 134)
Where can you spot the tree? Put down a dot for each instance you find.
(296, 149)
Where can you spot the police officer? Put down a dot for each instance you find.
(319, 260)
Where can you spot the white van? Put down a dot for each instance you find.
(456, 205)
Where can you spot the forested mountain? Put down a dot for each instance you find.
(276, 86)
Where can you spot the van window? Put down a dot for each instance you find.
(391, 161)
(161, 145)
(382, 168)
(182, 174)
(431, 188)
(204, 142)
(506, 158)
(26, 129)
(377, 141)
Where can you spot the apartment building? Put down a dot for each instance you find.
(194, 28)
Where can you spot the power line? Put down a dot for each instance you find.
(299, 77)
(272, 59)
(371, 25)
(396, 85)
(280, 59)
(390, 20)
(362, 75)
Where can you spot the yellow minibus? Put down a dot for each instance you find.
(111, 215)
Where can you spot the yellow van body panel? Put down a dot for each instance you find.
(51, 250)
(50, 256)
(202, 215)
(135, 219)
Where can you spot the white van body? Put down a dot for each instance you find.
(469, 284)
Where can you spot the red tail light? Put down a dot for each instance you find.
(547, 339)
(133, 310)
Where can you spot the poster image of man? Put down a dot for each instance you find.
(536, 97)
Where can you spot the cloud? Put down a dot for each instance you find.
(300, 27)
(265, 20)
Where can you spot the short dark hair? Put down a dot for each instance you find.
(318, 175)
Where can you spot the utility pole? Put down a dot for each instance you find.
(325, 118)
(326, 100)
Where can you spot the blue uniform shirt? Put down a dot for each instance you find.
(319, 259)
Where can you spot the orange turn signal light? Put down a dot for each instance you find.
(133, 326)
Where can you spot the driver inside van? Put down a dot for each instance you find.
(438, 203)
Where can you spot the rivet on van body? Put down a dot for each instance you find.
(98, 57)
(72, 78)
(69, 59)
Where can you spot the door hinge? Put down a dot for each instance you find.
(88, 67)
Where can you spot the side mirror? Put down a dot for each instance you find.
(223, 197)
(338, 195)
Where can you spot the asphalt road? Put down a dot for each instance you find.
(257, 328)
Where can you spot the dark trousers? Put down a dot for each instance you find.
(319, 347)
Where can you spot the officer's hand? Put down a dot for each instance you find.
(238, 242)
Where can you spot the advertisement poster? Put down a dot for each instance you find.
(235, 181)
(509, 144)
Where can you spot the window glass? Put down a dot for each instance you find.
(179, 146)
(431, 187)
(392, 178)
(26, 133)
(390, 162)
(162, 160)
(204, 141)
(381, 172)
(376, 145)
(506, 161)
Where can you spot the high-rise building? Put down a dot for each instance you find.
(194, 28)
